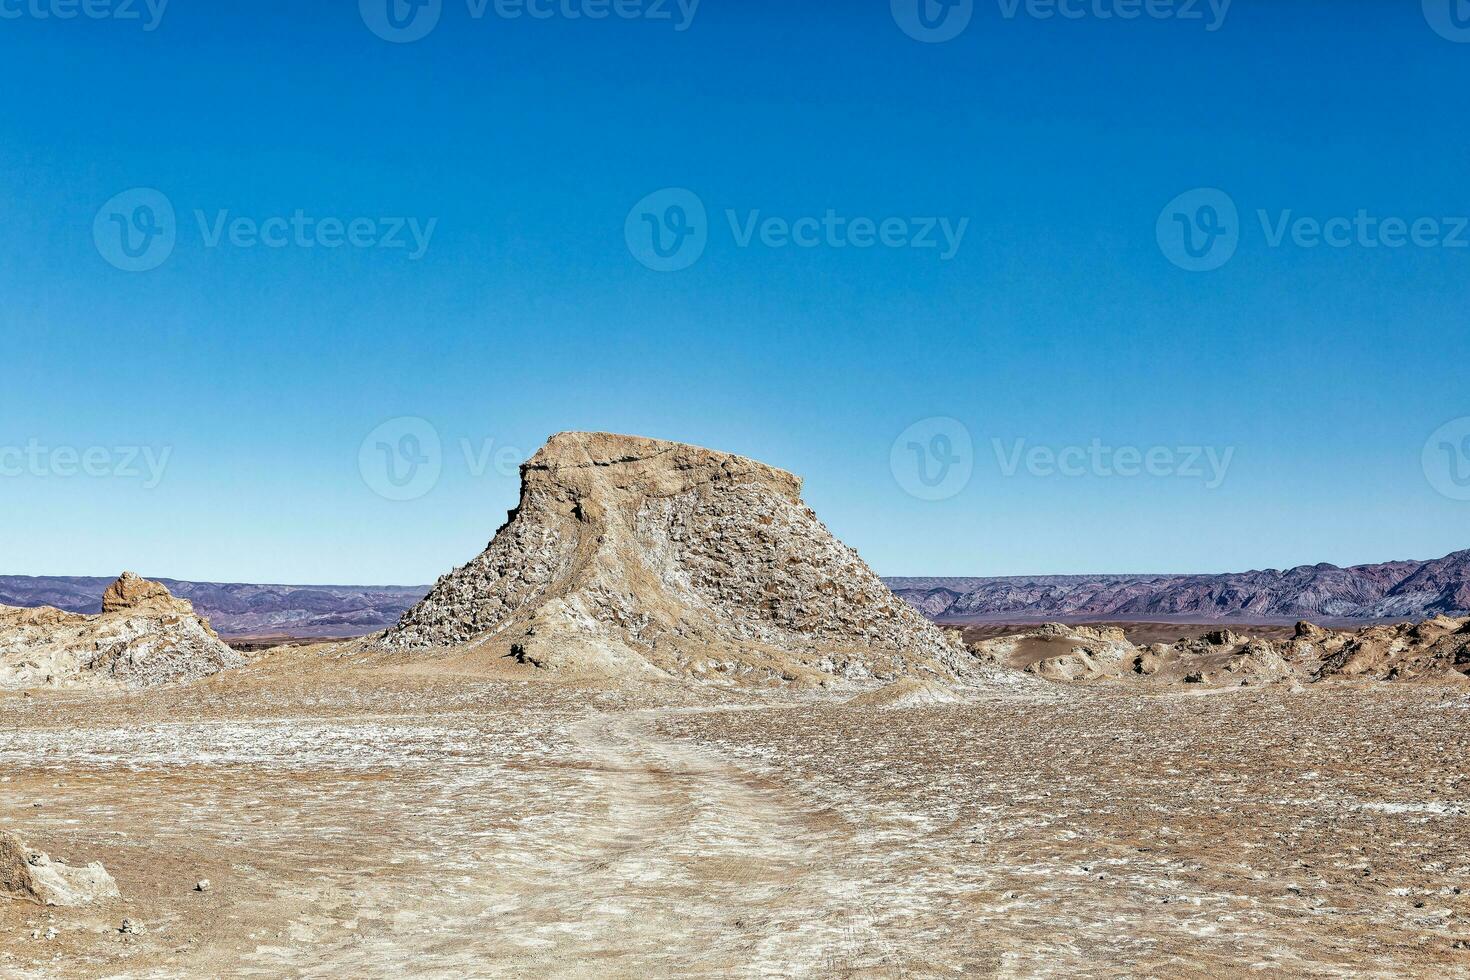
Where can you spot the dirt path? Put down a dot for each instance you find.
(645, 856)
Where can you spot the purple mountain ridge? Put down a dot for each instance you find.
(1393, 590)
(1410, 590)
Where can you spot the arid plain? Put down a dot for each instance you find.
(372, 819)
(667, 725)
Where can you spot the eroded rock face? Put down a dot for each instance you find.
(29, 874)
(1434, 650)
(133, 594)
(1058, 652)
(632, 553)
(144, 637)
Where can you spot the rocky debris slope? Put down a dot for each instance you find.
(29, 874)
(1434, 650)
(633, 554)
(144, 637)
(1401, 589)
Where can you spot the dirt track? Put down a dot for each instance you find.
(383, 823)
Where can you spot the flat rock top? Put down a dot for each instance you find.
(652, 466)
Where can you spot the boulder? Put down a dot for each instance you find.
(31, 875)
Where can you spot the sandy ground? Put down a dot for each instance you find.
(366, 820)
(1138, 633)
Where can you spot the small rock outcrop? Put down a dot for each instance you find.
(29, 874)
(135, 595)
(1057, 652)
(143, 638)
(634, 555)
(1436, 650)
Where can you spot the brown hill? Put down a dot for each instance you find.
(633, 554)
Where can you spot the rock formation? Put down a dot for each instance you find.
(133, 594)
(1434, 650)
(631, 554)
(240, 609)
(144, 637)
(31, 875)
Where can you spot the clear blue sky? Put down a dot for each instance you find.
(1058, 321)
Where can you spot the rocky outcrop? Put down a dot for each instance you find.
(134, 595)
(1401, 589)
(30, 875)
(238, 609)
(145, 638)
(1062, 653)
(632, 554)
(1436, 650)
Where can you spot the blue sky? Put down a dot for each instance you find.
(251, 376)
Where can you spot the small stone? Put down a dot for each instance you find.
(202, 886)
(132, 927)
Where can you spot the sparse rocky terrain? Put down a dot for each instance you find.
(667, 725)
(413, 817)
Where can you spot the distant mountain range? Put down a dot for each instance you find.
(1323, 593)
(238, 610)
(1394, 590)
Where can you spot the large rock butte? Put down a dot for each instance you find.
(637, 555)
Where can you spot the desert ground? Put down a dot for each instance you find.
(1139, 633)
(379, 815)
